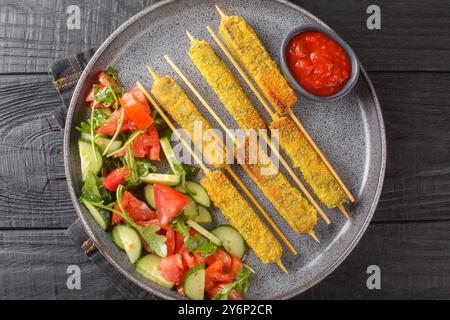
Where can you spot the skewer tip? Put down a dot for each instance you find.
(154, 75)
(282, 267)
(222, 14)
(344, 212)
(314, 236)
(191, 37)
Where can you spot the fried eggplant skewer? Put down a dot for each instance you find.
(300, 215)
(246, 46)
(184, 112)
(232, 205)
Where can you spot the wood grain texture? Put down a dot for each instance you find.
(34, 33)
(416, 111)
(413, 258)
(32, 180)
(33, 265)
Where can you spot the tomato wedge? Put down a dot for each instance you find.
(179, 242)
(236, 265)
(221, 256)
(170, 240)
(172, 268)
(115, 178)
(169, 203)
(154, 146)
(136, 209)
(110, 127)
(137, 108)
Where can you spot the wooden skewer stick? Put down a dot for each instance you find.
(272, 113)
(344, 212)
(269, 143)
(254, 201)
(224, 127)
(282, 267)
(261, 209)
(222, 14)
(321, 155)
(186, 145)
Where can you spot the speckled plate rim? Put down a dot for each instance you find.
(69, 126)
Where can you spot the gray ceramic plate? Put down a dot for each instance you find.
(350, 131)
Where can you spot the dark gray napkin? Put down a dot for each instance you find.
(66, 73)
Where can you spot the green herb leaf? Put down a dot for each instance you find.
(200, 245)
(144, 167)
(191, 171)
(241, 284)
(105, 96)
(90, 190)
(98, 118)
(113, 73)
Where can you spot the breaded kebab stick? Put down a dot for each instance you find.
(232, 205)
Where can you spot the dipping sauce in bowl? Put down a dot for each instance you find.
(318, 63)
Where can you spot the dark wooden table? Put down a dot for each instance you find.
(408, 60)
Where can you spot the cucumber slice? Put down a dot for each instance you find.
(191, 211)
(181, 189)
(175, 165)
(91, 159)
(169, 180)
(148, 267)
(102, 142)
(116, 237)
(231, 239)
(102, 217)
(131, 242)
(204, 216)
(194, 283)
(150, 196)
(198, 193)
(208, 235)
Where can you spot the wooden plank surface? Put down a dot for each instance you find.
(33, 265)
(413, 258)
(33, 33)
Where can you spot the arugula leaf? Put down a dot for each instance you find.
(196, 243)
(157, 118)
(130, 161)
(155, 242)
(113, 73)
(98, 118)
(106, 95)
(93, 191)
(181, 227)
(200, 245)
(127, 143)
(241, 284)
(90, 190)
(191, 171)
(116, 134)
(145, 167)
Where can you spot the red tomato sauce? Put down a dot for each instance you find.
(318, 63)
